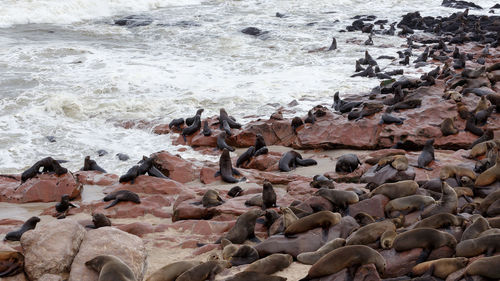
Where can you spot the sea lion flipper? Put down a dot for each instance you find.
(255, 239)
(91, 226)
(217, 174)
(236, 172)
(112, 204)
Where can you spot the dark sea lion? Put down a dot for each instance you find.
(448, 127)
(226, 128)
(323, 219)
(471, 126)
(390, 119)
(287, 161)
(347, 163)
(111, 268)
(63, 206)
(456, 172)
(426, 238)
(477, 246)
(495, 100)
(268, 196)
(270, 218)
(487, 135)
(254, 276)
(191, 120)
(211, 198)
(259, 142)
(221, 142)
(27, 225)
(427, 154)
(176, 123)
(130, 175)
(48, 164)
(91, 165)
(235, 191)
(255, 201)
(406, 104)
(371, 233)
(408, 204)
(99, 220)
(482, 116)
(244, 227)
(345, 257)
(245, 254)
(447, 204)
(224, 116)
(312, 257)
(310, 117)
(441, 268)
(206, 129)
(367, 110)
(489, 176)
(320, 181)
(193, 128)
(482, 104)
(226, 170)
(440, 221)
(245, 156)
(152, 170)
(396, 189)
(339, 198)
(101, 152)
(11, 263)
(478, 226)
(121, 195)
(488, 267)
(172, 271)
(261, 151)
(296, 122)
(305, 162)
(271, 264)
(122, 156)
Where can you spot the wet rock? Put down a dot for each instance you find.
(400, 263)
(109, 241)
(373, 206)
(387, 174)
(457, 4)
(96, 178)
(50, 248)
(174, 167)
(252, 31)
(148, 185)
(303, 242)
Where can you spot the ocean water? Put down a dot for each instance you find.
(66, 71)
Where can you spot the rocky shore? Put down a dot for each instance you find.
(171, 223)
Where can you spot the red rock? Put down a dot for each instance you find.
(149, 185)
(162, 129)
(265, 162)
(349, 177)
(387, 174)
(316, 203)
(275, 177)
(367, 272)
(46, 187)
(137, 228)
(440, 253)
(174, 167)
(400, 263)
(207, 174)
(343, 229)
(373, 157)
(204, 249)
(300, 190)
(275, 132)
(339, 276)
(373, 206)
(96, 178)
(187, 211)
(201, 140)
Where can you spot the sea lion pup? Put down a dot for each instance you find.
(99, 220)
(245, 156)
(204, 271)
(482, 104)
(396, 189)
(221, 142)
(408, 204)
(172, 271)
(313, 257)
(398, 162)
(176, 123)
(440, 221)
(190, 120)
(456, 172)
(487, 135)
(489, 176)
(228, 248)
(226, 128)
(254, 276)
(463, 111)
(371, 233)
(477, 246)
(211, 198)
(193, 128)
(427, 155)
(387, 239)
(426, 238)
(63, 206)
(121, 195)
(111, 268)
(259, 142)
(447, 204)
(390, 119)
(363, 218)
(488, 267)
(245, 254)
(448, 127)
(347, 163)
(11, 263)
(288, 216)
(48, 164)
(488, 200)
(268, 196)
(320, 181)
(27, 225)
(470, 125)
(345, 257)
(91, 165)
(271, 264)
(339, 198)
(255, 201)
(440, 268)
(324, 219)
(226, 170)
(235, 191)
(206, 129)
(244, 228)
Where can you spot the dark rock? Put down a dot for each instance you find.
(134, 21)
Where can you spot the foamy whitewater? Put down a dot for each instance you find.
(66, 71)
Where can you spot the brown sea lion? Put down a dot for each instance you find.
(448, 127)
(121, 195)
(211, 198)
(483, 104)
(345, 257)
(477, 246)
(268, 196)
(488, 134)
(398, 162)
(91, 165)
(452, 171)
(488, 200)
(245, 157)
(481, 148)
(396, 189)
(313, 257)
(228, 248)
(255, 201)
(99, 220)
(447, 204)
(339, 198)
(191, 120)
(347, 163)
(11, 263)
(226, 170)
(494, 222)
(427, 155)
(204, 271)
(488, 267)
(254, 276)
(221, 142)
(489, 176)
(27, 225)
(48, 164)
(478, 226)
(245, 254)
(172, 271)
(244, 228)
(426, 238)
(271, 264)
(363, 218)
(387, 239)
(111, 268)
(408, 204)
(440, 221)
(224, 116)
(441, 268)
(288, 216)
(463, 111)
(323, 219)
(370, 233)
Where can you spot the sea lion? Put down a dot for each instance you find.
(228, 249)
(470, 125)
(313, 257)
(488, 200)
(390, 119)
(482, 104)
(296, 122)
(441, 268)
(259, 142)
(172, 271)
(440, 221)
(99, 220)
(204, 271)
(427, 155)
(211, 198)
(489, 176)
(270, 218)
(487, 135)
(463, 111)
(271, 264)
(245, 254)
(244, 227)
(48, 164)
(339, 198)
(255, 201)
(235, 191)
(206, 129)
(261, 151)
(448, 127)
(396, 190)
(495, 100)
(254, 276)
(363, 218)
(121, 195)
(426, 238)
(370, 233)
(268, 196)
(176, 123)
(122, 156)
(482, 116)
(347, 163)
(287, 161)
(288, 216)
(27, 225)
(453, 171)
(130, 175)
(323, 219)
(398, 162)
(110, 268)
(64, 204)
(488, 267)
(477, 246)
(91, 165)
(320, 181)
(224, 116)
(345, 257)
(193, 128)
(447, 204)
(151, 168)
(221, 142)
(245, 156)
(226, 128)
(310, 117)
(478, 226)
(368, 109)
(226, 170)
(11, 263)
(408, 204)
(387, 239)
(191, 120)
(481, 148)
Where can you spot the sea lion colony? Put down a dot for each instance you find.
(406, 216)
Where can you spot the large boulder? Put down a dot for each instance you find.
(109, 241)
(174, 167)
(50, 248)
(373, 206)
